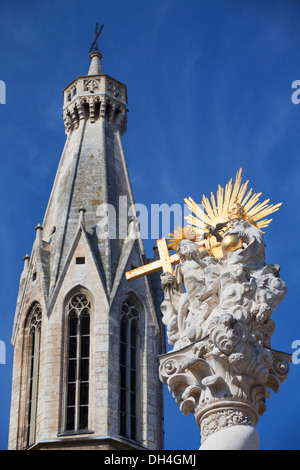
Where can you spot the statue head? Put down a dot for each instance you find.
(236, 211)
(239, 224)
(240, 274)
(187, 249)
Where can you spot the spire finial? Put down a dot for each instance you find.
(95, 54)
(94, 47)
(81, 211)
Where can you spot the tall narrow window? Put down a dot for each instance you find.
(34, 358)
(129, 369)
(78, 363)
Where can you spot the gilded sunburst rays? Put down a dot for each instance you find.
(219, 209)
(181, 233)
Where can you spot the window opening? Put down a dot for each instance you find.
(78, 363)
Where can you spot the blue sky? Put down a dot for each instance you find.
(209, 91)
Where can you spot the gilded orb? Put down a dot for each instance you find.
(231, 242)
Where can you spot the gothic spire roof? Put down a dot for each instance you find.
(91, 182)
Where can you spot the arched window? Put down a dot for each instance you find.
(129, 369)
(78, 363)
(34, 326)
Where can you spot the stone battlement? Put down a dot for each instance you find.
(91, 97)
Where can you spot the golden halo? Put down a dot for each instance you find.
(183, 233)
(236, 201)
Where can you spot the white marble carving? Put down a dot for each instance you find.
(218, 318)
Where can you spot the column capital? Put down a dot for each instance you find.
(223, 379)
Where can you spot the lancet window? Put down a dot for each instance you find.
(34, 327)
(129, 369)
(77, 397)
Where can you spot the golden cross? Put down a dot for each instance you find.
(165, 262)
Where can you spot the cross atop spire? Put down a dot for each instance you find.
(95, 54)
(94, 47)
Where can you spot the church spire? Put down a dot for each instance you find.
(92, 171)
(73, 291)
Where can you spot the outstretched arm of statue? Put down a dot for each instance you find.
(200, 258)
(215, 231)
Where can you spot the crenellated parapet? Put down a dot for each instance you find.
(94, 97)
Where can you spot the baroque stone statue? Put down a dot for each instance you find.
(217, 309)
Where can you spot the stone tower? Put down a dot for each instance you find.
(86, 340)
